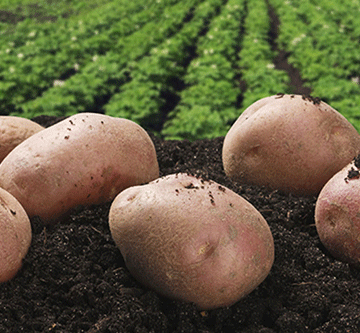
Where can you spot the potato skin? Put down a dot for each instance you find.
(337, 216)
(289, 142)
(15, 235)
(85, 159)
(13, 131)
(192, 240)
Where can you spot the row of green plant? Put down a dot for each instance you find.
(233, 55)
(346, 20)
(207, 104)
(58, 30)
(43, 10)
(157, 77)
(346, 15)
(28, 31)
(39, 58)
(184, 68)
(100, 79)
(325, 53)
(256, 57)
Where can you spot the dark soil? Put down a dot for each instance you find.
(74, 279)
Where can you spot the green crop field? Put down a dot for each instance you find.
(183, 69)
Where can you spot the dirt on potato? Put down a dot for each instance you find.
(74, 278)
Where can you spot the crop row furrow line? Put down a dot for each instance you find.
(40, 65)
(160, 73)
(326, 56)
(48, 11)
(102, 77)
(29, 32)
(256, 57)
(211, 92)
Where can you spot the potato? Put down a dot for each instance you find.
(13, 131)
(291, 143)
(15, 235)
(192, 240)
(85, 159)
(337, 214)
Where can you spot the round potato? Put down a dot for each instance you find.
(85, 159)
(192, 240)
(337, 216)
(15, 235)
(289, 142)
(13, 131)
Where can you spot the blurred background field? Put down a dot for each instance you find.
(184, 69)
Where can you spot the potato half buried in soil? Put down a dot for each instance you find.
(289, 142)
(192, 240)
(13, 131)
(85, 159)
(15, 235)
(337, 215)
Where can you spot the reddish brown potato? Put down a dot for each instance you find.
(337, 215)
(289, 142)
(13, 131)
(192, 240)
(85, 159)
(15, 235)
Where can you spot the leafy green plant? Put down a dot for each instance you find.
(157, 74)
(211, 92)
(324, 50)
(101, 77)
(256, 57)
(185, 69)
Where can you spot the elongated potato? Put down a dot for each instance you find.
(337, 215)
(13, 131)
(15, 235)
(192, 240)
(289, 142)
(85, 159)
